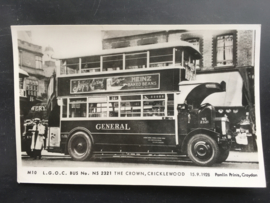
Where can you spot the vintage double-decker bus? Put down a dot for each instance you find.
(136, 101)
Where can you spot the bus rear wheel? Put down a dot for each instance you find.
(203, 150)
(79, 146)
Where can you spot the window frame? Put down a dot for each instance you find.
(153, 60)
(121, 67)
(86, 60)
(118, 101)
(81, 102)
(214, 49)
(38, 62)
(135, 53)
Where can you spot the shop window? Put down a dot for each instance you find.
(38, 62)
(154, 105)
(130, 106)
(161, 57)
(69, 66)
(77, 107)
(224, 50)
(97, 107)
(64, 108)
(90, 64)
(113, 63)
(136, 60)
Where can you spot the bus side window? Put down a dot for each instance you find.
(98, 109)
(170, 105)
(64, 108)
(131, 109)
(113, 109)
(77, 107)
(153, 108)
(154, 105)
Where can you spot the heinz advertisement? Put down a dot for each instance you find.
(110, 84)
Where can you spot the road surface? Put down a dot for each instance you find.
(60, 160)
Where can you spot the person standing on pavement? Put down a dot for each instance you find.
(37, 138)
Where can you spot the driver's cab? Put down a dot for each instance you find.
(192, 114)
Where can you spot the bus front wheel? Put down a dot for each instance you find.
(80, 146)
(224, 153)
(203, 150)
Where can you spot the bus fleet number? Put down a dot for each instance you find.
(106, 173)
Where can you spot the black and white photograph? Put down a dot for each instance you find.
(172, 105)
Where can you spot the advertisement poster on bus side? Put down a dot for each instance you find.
(109, 84)
(170, 105)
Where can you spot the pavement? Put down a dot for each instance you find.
(248, 157)
(234, 156)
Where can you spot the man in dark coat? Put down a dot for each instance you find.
(37, 138)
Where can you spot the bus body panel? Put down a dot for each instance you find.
(115, 134)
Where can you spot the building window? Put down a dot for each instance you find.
(225, 50)
(31, 87)
(38, 62)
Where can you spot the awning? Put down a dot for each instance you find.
(194, 92)
(39, 110)
(22, 72)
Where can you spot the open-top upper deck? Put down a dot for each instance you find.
(157, 56)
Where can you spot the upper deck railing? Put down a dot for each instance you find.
(180, 53)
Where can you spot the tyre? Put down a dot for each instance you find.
(224, 153)
(29, 153)
(79, 146)
(203, 150)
